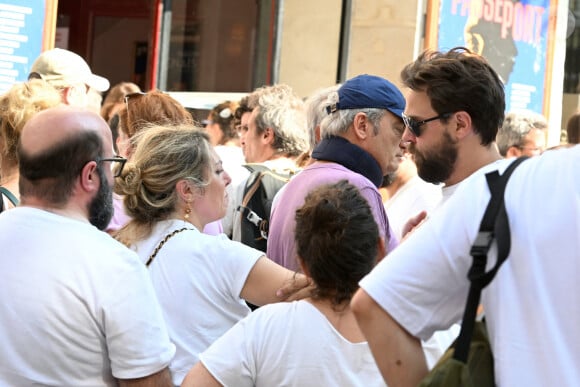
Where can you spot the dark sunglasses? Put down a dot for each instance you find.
(415, 126)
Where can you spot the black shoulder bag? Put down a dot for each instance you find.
(469, 360)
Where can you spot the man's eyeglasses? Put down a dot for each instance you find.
(415, 126)
(116, 169)
(132, 95)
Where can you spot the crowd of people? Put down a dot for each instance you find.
(134, 253)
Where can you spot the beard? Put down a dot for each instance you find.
(101, 207)
(436, 165)
(389, 179)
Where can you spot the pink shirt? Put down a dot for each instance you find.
(281, 245)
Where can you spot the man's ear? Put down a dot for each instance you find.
(268, 136)
(464, 125)
(361, 126)
(89, 177)
(68, 95)
(513, 151)
(74, 95)
(317, 134)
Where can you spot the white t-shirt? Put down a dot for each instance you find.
(233, 161)
(415, 196)
(289, 344)
(76, 307)
(198, 279)
(448, 191)
(532, 308)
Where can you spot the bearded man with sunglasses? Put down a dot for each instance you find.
(455, 107)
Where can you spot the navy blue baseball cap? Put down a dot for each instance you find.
(369, 91)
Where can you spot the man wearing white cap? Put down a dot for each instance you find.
(69, 73)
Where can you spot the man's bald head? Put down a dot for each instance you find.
(51, 127)
(54, 147)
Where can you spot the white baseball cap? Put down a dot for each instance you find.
(64, 68)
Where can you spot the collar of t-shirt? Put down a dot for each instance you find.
(351, 156)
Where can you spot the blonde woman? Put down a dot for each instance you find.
(174, 185)
(140, 111)
(17, 106)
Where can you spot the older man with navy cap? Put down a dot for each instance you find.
(360, 143)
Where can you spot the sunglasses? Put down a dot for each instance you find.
(415, 126)
(132, 95)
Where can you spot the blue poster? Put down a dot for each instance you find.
(21, 29)
(511, 34)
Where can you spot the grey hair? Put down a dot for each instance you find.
(282, 111)
(338, 122)
(516, 126)
(316, 105)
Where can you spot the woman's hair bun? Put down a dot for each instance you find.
(129, 181)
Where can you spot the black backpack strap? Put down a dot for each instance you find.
(252, 186)
(494, 226)
(259, 187)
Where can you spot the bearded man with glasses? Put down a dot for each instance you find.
(76, 307)
(455, 106)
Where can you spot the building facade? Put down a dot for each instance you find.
(238, 45)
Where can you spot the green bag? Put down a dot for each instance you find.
(469, 360)
(478, 372)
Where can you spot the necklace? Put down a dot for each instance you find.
(163, 241)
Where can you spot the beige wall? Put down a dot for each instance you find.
(309, 44)
(382, 39)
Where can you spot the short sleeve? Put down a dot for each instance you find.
(230, 359)
(423, 283)
(136, 335)
(235, 264)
